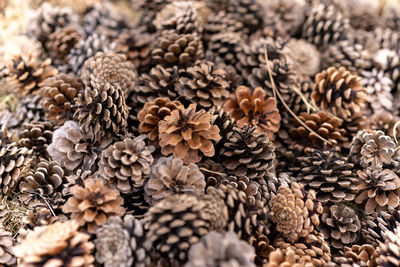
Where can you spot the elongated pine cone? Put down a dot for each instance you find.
(254, 109)
(37, 136)
(92, 203)
(188, 134)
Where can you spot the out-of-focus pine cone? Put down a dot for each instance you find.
(223, 22)
(75, 149)
(58, 244)
(371, 149)
(6, 248)
(29, 109)
(127, 163)
(249, 12)
(28, 75)
(224, 47)
(58, 97)
(294, 212)
(247, 153)
(378, 88)
(174, 49)
(278, 258)
(356, 255)
(357, 122)
(325, 25)
(386, 38)
(188, 134)
(340, 225)
(384, 121)
(152, 113)
(389, 61)
(171, 176)
(378, 189)
(304, 55)
(390, 16)
(216, 249)
(389, 250)
(36, 136)
(254, 109)
(101, 201)
(339, 92)
(175, 223)
(203, 84)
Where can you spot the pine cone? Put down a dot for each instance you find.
(278, 258)
(28, 75)
(215, 249)
(186, 132)
(361, 255)
(247, 153)
(36, 136)
(225, 124)
(254, 109)
(224, 47)
(389, 251)
(388, 61)
(304, 55)
(75, 178)
(384, 121)
(202, 84)
(58, 96)
(249, 12)
(378, 88)
(263, 251)
(30, 110)
(391, 15)
(295, 212)
(7, 254)
(59, 244)
(101, 201)
(223, 22)
(126, 163)
(171, 176)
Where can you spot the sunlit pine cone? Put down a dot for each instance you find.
(389, 250)
(37, 136)
(378, 88)
(388, 61)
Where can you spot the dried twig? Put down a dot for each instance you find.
(213, 172)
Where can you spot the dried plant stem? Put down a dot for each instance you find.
(45, 201)
(213, 172)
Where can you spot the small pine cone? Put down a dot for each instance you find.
(384, 121)
(278, 258)
(171, 176)
(38, 216)
(364, 254)
(188, 134)
(216, 249)
(37, 136)
(30, 110)
(295, 212)
(378, 189)
(202, 84)
(58, 96)
(126, 164)
(175, 223)
(7, 254)
(329, 175)
(325, 25)
(304, 55)
(371, 149)
(389, 251)
(101, 201)
(28, 75)
(249, 12)
(247, 153)
(173, 49)
(378, 88)
(58, 244)
(43, 185)
(340, 225)
(224, 47)
(223, 22)
(75, 149)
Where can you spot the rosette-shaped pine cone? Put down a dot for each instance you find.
(278, 258)
(188, 134)
(58, 244)
(326, 126)
(339, 92)
(330, 175)
(247, 153)
(36, 136)
(325, 25)
(216, 249)
(223, 22)
(390, 250)
(58, 96)
(75, 149)
(340, 225)
(249, 12)
(254, 109)
(152, 113)
(173, 49)
(202, 84)
(126, 163)
(92, 203)
(175, 223)
(29, 109)
(378, 189)
(304, 55)
(371, 149)
(294, 212)
(224, 47)
(171, 176)
(6, 248)
(28, 75)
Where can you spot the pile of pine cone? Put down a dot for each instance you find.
(210, 133)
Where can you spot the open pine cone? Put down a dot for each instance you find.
(37, 136)
(390, 250)
(6, 248)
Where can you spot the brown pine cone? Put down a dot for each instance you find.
(126, 164)
(278, 258)
(101, 201)
(378, 88)
(203, 84)
(222, 120)
(171, 176)
(62, 41)
(36, 136)
(264, 251)
(186, 132)
(384, 121)
(305, 56)
(364, 254)
(29, 109)
(388, 61)
(6, 248)
(249, 12)
(339, 92)
(28, 75)
(357, 122)
(223, 22)
(294, 212)
(224, 47)
(389, 250)
(58, 97)
(390, 16)
(58, 244)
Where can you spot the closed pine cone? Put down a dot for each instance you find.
(224, 47)
(58, 244)
(58, 96)
(37, 136)
(339, 92)
(254, 109)
(378, 189)
(6, 248)
(295, 212)
(92, 203)
(127, 163)
(389, 250)
(171, 176)
(188, 134)
(62, 41)
(29, 109)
